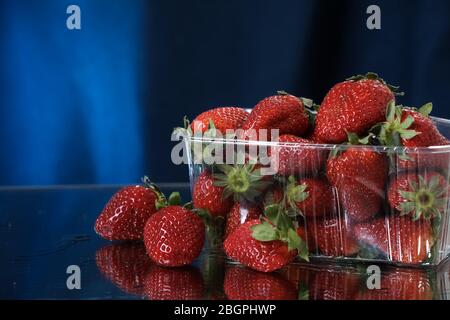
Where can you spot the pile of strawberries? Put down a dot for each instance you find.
(352, 181)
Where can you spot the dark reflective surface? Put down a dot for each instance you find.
(43, 231)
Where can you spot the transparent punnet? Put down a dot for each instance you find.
(363, 202)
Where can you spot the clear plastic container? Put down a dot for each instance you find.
(358, 217)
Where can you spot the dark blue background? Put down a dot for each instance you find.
(98, 105)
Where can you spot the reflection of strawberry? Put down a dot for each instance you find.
(424, 195)
(125, 265)
(223, 118)
(299, 275)
(359, 174)
(184, 283)
(239, 214)
(297, 156)
(333, 285)
(331, 237)
(264, 256)
(174, 236)
(210, 197)
(399, 238)
(400, 284)
(124, 216)
(354, 106)
(245, 284)
(283, 111)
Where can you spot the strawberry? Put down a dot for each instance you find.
(312, 197)
(297, 156)
(125, 214)
(330, 284)
(331, 236)
(421, 195)
(399, 239)
(399, 284)
(282, 111)
(239, 214)
(174, 236)
(125, 265)
(185, 283)
(223, 119)
(206, 195)
(245, 284)
(359, 174)
(353, 106)
(265, 256)
(413, 129)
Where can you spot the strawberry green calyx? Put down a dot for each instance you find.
(374, 76)
(214, 228)
(243, 182)
(393, 130)
(426, 198)
(296, 193)
(161, 200)
(277, 225)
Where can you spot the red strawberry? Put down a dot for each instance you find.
(422, 195)
(265, 256)
(125, 214)
(332, 284)
(283, 112)
(414, 129)
(313, 197)
(297, 156)
(124, 264)
(353, 106)
(245, 284)
(332, 237)
(359, 174)
(239, 214)
(184, 283)
(400, 284)
(174, 236)
(206, 195)
(223, 118)
(399, 238)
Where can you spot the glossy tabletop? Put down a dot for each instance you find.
(44, 231)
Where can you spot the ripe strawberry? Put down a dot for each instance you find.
(312, 197)
(332, 284)
(124, 264)
(354, 106)
(399, 238)
(359, 174)
(413, 129)
(265, 256)
(125, 214)
(184, 283)
(239, 214)
(174, 236)
(245, 284)
(282, 111)
(424, 195)
(223, 118)
(206, 195)
(274, 195)
(297, 156)
(399, 284)
(331, 236)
